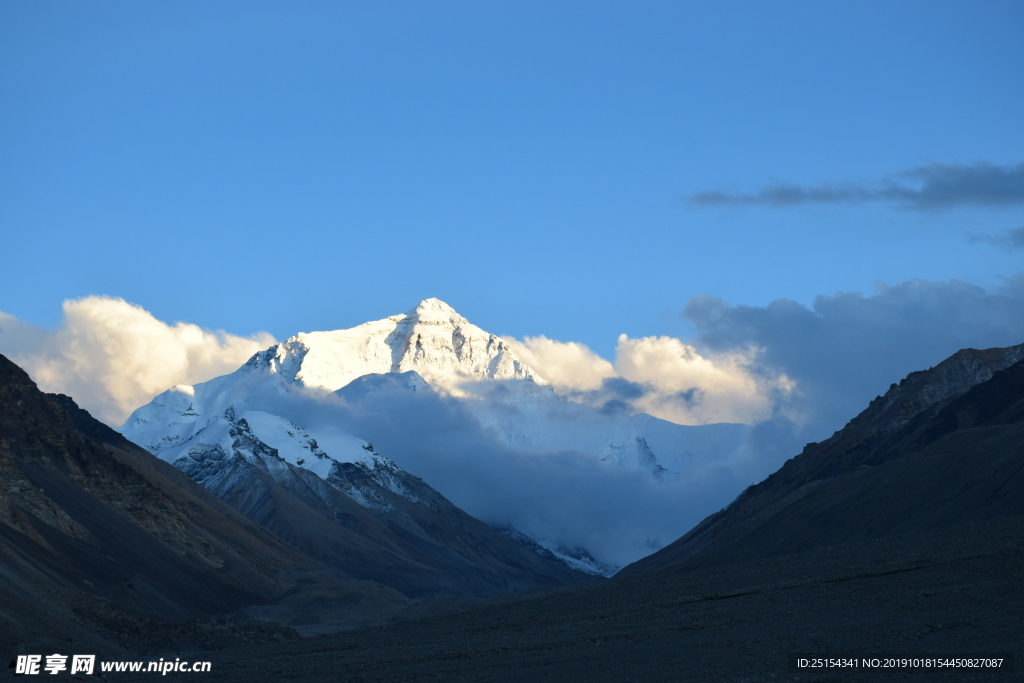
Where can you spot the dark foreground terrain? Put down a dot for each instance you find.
(947, 592)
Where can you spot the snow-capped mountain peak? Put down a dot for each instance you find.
(432, 340)
(286, 412)
(435, 309)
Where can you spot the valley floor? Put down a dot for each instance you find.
(951, 592)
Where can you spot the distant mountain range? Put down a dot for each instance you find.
(281, 414)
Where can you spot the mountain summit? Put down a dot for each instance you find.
(432, 340)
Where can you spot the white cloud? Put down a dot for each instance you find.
(112, 356)
(565, 364)
(690, 388)
(661, 376)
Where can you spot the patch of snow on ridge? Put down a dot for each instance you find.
(296, 446)
(171, 407)
(378, 469)
(581, 560)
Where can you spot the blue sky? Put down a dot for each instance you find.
(312, 165)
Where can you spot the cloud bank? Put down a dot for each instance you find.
(561, 497)
(925, 188)
(847, 348)
(661, 376)
(112, 356)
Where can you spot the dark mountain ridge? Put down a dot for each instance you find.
(93, 528)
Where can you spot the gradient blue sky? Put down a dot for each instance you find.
(295, 166)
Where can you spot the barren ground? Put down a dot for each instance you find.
(951, 592)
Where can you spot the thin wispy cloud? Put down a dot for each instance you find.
(1008, 239)
(933, 187)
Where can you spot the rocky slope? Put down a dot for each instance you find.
(941, 447)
